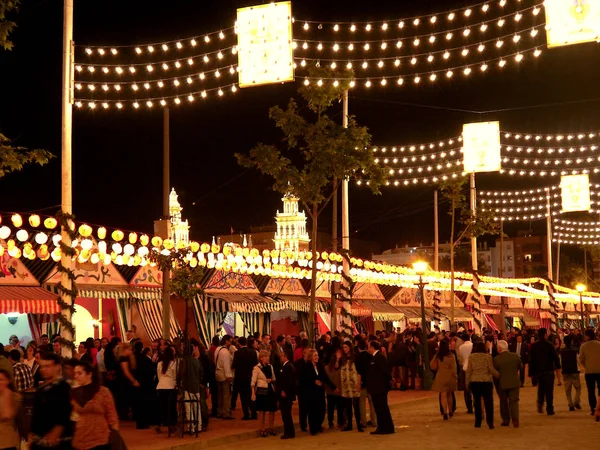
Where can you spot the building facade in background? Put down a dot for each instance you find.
(291, 232)
(180, 229)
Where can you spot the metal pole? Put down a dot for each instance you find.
(166, 308)
(581, 306)
(100, 318)
(427, 375)
(345, 225)
(436, 236)
(334, 248)
(585, 267)
(66, 153)
(501, 275)
(549, 233)
(558, 261)
(473, 211)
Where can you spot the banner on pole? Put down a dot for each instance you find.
(571, 22)
(481, 147)
(575, 192)
(265, 52)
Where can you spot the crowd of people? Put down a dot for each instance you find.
(338, 383)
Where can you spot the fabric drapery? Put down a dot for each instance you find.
(151, 317)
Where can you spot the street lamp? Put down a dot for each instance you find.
(420, 267)
(581, 288)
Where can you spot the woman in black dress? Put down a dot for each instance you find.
(313, 380)
(263, 392)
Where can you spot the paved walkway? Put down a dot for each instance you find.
(417, 421)
(230, 432)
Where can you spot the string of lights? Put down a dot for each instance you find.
(523, 192)
(468, 12)
(153, 47)
(551, 150)
(432, 37)
(150, 102)
(175, 81)
(548, 137)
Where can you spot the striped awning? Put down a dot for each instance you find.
(213, 302)
(299, 303)
(28, 300)
(136, 293)
(379, 310)
(460, 314)
(414, 314)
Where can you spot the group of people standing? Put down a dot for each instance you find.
(480, 365)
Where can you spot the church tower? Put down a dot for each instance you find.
(291, 226)
(180, 229)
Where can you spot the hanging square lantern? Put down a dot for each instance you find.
(575, 192)
(265, 44)
(481, 147)
(572, 21)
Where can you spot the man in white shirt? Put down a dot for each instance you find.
(224, 377)
(463, 360)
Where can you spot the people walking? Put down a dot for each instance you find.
(462, 354)
(363, 361)
(522, 350)
(286, 393)
(190, 380)
(9, 437)
(244, 361)
(589, 358)
(378, 382)
(444, 362)
(543, 361)
(51, 425)
(334, 397)
(94, 409)
(224, 377)
(350, 387)
(167, 393)
(313, 380)
(299, 365)
(570, 373)
(509, 366)
(23, 375)
(480, 375)
(263, 392)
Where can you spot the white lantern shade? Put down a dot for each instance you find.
(575, 193)
(481, 147)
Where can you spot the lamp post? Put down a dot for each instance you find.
(420, 267)
(581, 289)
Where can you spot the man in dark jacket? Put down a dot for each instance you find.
(286, 392)
(363, 361)
(543, 360)
(244, 361)
(520, 348)
(302, 400)
(508, 364)
(378, 382)
(570, 373)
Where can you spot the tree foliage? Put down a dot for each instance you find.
(315, 149)
(12, 159)
(185, 280)
(6, 25)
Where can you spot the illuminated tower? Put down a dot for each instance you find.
(180, 229)
(291, 226)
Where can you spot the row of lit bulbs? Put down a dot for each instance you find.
(398, 61)
(158, 102)
(575, 242)
(530, 217)
(578, 223)
(431, 19)
(150, 49)
(172, 64)
(158, 83)
(520, 193)
(523, 199)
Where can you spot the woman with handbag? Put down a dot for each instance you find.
(263, 392)
(94, 410)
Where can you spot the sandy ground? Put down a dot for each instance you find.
(419, 423)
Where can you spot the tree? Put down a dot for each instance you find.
(7, 26)
(314, 152)
(469, 225)
(12, 159)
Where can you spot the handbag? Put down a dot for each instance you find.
(116, 441)
(262, 391)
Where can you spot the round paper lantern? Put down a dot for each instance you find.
(50, 223)
(144, 239)
(22, 235)
(117, 235)
(34, 220)
(194, 246)
(4, 232)
(17, 220)
(133, 238)
(85, 230)
(156, 241)
(101, 233)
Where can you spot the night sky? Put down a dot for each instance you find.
(118, 155)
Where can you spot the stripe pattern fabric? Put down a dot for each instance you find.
(28, 300)
(151, 317)
(209, 322)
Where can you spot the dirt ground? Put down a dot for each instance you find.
(419, 423)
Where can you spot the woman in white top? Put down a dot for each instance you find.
(167, 394)
(263, 392)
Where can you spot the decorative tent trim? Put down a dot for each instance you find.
(138, 294)
(28, 300)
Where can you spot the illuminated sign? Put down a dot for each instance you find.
(572, 21)
(481, 147)
(265, 52)
(575, 193)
